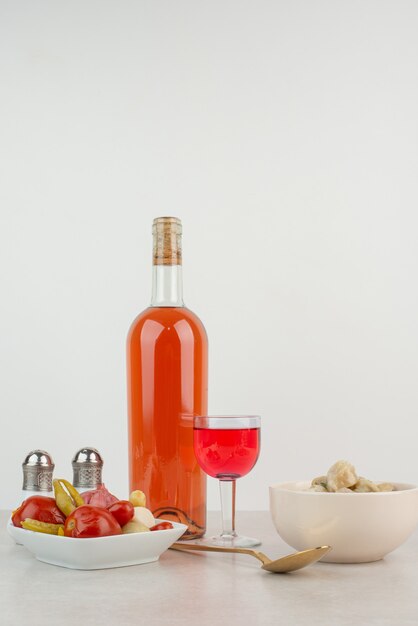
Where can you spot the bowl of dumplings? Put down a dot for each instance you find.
(360, 519)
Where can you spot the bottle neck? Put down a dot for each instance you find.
(167, 285)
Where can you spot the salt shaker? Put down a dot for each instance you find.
(87, 469)
(38, 468)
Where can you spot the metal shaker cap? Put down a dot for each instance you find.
(38, 468)
(87, 468)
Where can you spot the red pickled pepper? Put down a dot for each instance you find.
(40, 508)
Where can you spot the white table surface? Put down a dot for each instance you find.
(215, 589)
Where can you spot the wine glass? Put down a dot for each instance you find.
(227, 448)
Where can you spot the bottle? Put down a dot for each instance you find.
(167, 354)
(87, 466)
(38, 468)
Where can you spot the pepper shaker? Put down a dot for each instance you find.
(87, 469)
(38, 468)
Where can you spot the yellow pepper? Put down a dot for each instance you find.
(42, 527)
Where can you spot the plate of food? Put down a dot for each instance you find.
(93, 530)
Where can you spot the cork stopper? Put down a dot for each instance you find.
(167, 241)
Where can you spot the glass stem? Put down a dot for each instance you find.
(227, 488)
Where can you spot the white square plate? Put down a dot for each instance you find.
(98, 552)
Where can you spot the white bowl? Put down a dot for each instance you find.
(360, 527)
(98, 552)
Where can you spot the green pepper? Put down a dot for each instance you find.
(66, 502)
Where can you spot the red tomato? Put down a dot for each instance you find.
(123, 511)
(162, 526)
(41, 508)
(91, 521)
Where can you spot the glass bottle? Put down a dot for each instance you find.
(87, 466)
(167, 354)
(38, 468)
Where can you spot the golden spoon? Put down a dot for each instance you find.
(288, 563)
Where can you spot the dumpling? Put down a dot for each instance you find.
(363, 485)
(342, 478)
(341, 474)
(318, 487)
(320, 481)
(385, 487)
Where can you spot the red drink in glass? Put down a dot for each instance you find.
(227, 454)
(226, 448)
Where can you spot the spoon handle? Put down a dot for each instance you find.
(193, 546)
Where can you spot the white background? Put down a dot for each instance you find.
(284, 135)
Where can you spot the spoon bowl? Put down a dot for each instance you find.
(289, 563)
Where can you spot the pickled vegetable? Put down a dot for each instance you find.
(137, 498)
(67, 501)
(41, 527)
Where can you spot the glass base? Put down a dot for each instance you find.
(230, 541)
